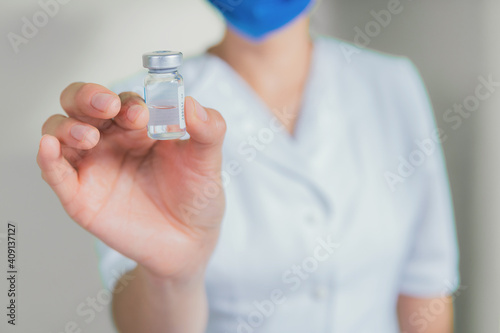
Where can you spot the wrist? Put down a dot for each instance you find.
(185, 282)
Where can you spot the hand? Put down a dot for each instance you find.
(159, 203)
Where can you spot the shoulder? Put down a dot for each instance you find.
(366, 64)
(388, 86)
(353, 54)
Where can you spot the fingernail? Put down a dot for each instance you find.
(103, 102)
(200, 110)
(134, 112)
(92, 137)
(84, 133)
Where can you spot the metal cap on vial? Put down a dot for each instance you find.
(162, 60)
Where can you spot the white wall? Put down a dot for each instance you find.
(483, 241)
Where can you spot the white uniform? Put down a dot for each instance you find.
(324, 230)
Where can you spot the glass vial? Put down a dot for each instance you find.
(164, 95)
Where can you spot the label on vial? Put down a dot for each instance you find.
(182, 121)
(163, 115)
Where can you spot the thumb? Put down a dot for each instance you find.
(206, 128)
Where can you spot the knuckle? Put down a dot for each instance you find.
(220, 122)
(44, 126)
(128, 97)
(39, 161)
(62, 98)
(50, 123)
(82, 92)
(44, 177)
(223, 124)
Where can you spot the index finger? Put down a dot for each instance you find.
(83, 100)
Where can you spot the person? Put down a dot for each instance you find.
(315, 201)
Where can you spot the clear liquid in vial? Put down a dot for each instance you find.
(164, 122)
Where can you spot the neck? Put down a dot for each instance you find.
(276, 68)
(287, 47)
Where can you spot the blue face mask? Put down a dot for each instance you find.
(257, 18)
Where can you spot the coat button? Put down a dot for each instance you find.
(320, 292)
(311, 218)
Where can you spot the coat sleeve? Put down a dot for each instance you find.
(431, 265)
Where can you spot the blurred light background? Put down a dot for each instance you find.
(452, 42)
